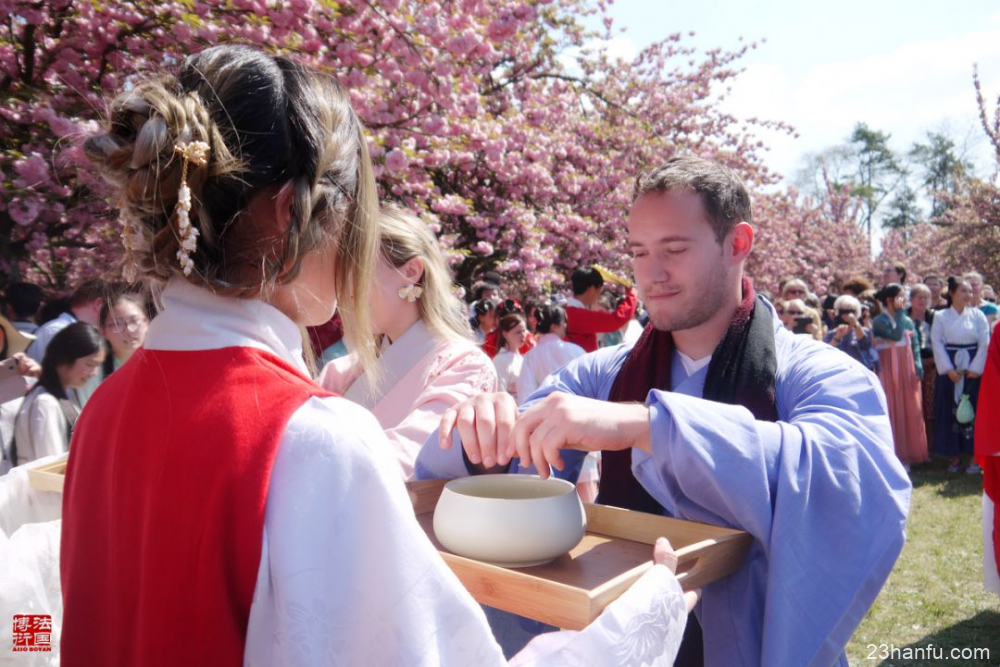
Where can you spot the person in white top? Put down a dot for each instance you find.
(346, 575)
(960, 337)
(550, 353)
(48, 414)
(509, 360)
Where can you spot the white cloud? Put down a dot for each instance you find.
(616, 47)
(906, 92)
(621, 47)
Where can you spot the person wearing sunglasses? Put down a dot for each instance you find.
(794, 309)
(849, 336)
(795, 288)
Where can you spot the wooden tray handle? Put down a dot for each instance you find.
(692, 552)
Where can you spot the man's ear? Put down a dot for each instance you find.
(284, 208)
(740, 241)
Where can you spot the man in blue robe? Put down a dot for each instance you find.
(724, 417)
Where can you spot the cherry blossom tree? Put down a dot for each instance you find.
(504, 123)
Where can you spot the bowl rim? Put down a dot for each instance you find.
(458, 485)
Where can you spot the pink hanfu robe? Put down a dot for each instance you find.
(421, 377)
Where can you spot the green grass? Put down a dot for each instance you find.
(935, 594)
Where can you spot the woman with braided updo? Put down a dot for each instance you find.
(221, 508)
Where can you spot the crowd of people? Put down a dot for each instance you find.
(927, 341)
(91, 334)
(308, 353)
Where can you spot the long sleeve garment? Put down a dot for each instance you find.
(821, 491)
(421, 376)
(549, 354)
(42, 426)
(45, 333)
(508, 365)
(584, 324)
(895, 328)
(966, 328)
(347, 576)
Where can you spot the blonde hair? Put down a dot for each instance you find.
(268, 121)
(403, 236)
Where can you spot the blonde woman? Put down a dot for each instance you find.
(427, 360)
(258, 499)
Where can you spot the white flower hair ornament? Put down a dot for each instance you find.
(195, 152)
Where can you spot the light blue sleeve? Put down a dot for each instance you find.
(590, 375)
(821, 491)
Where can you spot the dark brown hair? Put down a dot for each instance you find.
(722, 193)
(268, 122)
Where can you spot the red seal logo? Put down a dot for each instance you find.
(32, 632)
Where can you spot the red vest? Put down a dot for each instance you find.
(163, 513)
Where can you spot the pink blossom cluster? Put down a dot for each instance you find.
(502, 122)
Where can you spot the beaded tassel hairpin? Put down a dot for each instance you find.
(195, 153)
(133, 240)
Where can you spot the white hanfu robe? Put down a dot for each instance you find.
(969, 327)
(821, 491)
(422, 376)
(509, 365)
(549, 354)
(347, 576)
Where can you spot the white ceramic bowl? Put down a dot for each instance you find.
(509, 520)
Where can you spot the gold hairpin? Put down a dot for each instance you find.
(195, 152)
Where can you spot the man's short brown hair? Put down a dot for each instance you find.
(89, 291)
(722, 192)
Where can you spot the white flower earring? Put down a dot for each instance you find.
(195, 152)
(410, 293)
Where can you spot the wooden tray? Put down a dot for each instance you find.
(49, 477)
(572, 590)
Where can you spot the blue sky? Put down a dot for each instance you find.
(902, 67)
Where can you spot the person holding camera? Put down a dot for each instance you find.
(801, 319)
(848, 335)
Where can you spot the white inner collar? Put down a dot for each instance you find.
(692, 366)
(195, 318)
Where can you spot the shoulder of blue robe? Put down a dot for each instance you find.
(590, 375)
(821, 491)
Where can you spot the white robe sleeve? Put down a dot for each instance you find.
(526, 382)
(46, 429)
(347, 576)
(941, 359)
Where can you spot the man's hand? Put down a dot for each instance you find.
(563, 421)
(493, 433)
(484, 423)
